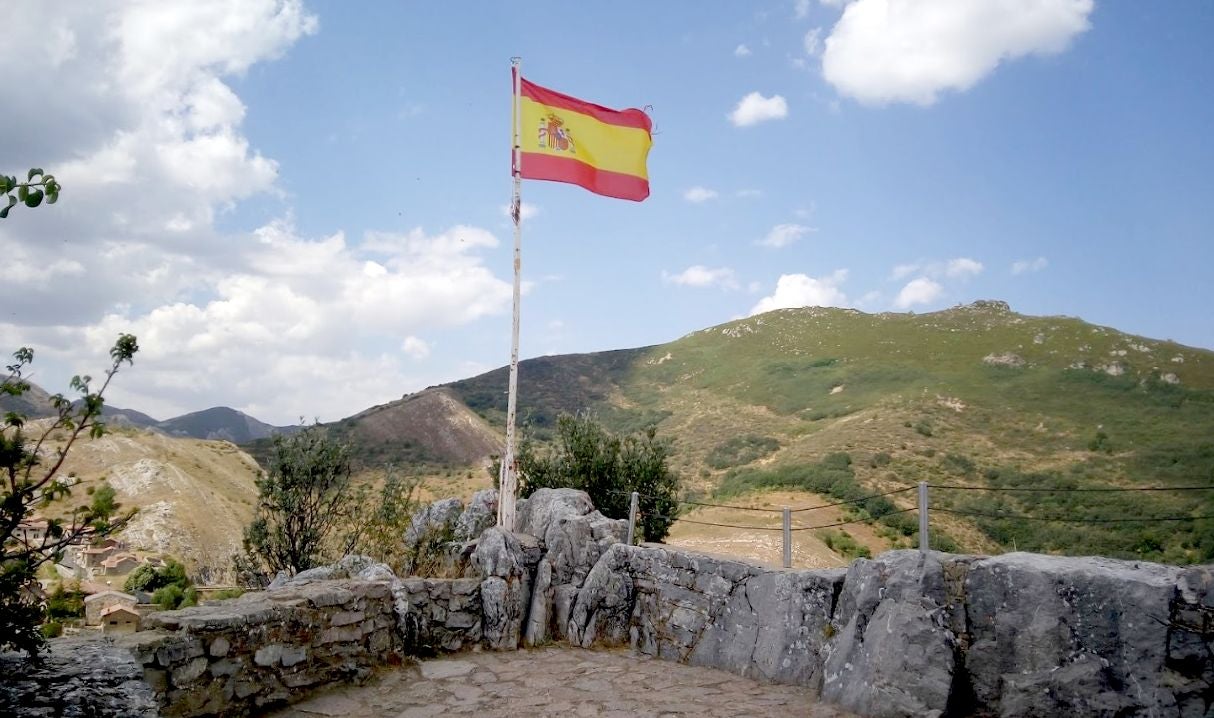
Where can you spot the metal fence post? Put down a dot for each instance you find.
(632, 518)
(924, 545)
(787, 537)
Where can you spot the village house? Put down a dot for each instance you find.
(31, 531)
(91, 557)
(95, 604)
(119, 564)
(119, 619)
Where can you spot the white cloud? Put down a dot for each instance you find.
(963, 267)
(700, 276)
(748, 193)
(741, 51)
(884, 51)
(136, 112)
(918, 291)
(802, 290)
(416, 348)
(1022, 266)
(299, 305)
(957, 268)
(783, 235)
(801, 9)
(755, 108)
(813, 41)
(699, 194)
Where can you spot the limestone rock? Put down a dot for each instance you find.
(438, 517)
(1053, 635)
(480, 514)
(893, 653)
(76, 677)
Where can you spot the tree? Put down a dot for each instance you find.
(607, 467)
(30, 466)
(151, 578)
(303, 499)
(379, 520)
(29, 192)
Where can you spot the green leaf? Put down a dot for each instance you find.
(34, 199)
(33, 172)
(22, 192)
(52, 197)
(4, 185)
(4, 212)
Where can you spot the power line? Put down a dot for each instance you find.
(860, 500)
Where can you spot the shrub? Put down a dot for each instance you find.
(608, 468)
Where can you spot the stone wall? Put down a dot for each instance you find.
(904, 634)
(231, 657)
(908, 634)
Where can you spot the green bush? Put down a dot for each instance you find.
(607, 467)
(52, 629)
(741, 450)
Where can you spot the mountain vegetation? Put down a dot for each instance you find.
(976, 396)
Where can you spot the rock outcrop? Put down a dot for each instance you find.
(904, 634)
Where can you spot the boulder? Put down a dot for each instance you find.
(893, 653)
(439, 517)
(1082, 636)
(480, 514)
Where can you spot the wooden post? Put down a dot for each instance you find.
(924, 544)
(508, 490)
(787, 537)
(632, 518)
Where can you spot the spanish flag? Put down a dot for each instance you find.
(564, 139)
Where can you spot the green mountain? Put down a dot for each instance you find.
(976, 396)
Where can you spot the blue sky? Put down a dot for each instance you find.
(298, 206)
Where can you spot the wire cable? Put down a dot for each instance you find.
(954, 487)
(1015, 517)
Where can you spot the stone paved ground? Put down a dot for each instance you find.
(559, 682)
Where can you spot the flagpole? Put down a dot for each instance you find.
(509, 475)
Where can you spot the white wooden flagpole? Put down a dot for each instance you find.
(509, 476)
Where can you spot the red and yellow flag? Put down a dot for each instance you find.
(564, 139)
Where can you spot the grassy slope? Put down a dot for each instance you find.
(910, 397)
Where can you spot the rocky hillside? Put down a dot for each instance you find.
(976, 395)
(194, 496)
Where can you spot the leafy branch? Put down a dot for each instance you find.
(31, 192)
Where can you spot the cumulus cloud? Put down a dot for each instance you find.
(956, 268)
(700, 276)
(800, 9)
(416, 348)
(963, 267)
(1022, 266)
(802, 290)
(755, 108)
(741, 51)
(918, 291)
(884, 51)
(136, 113)
(698, 194)
(298, 305)
(783, 235)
